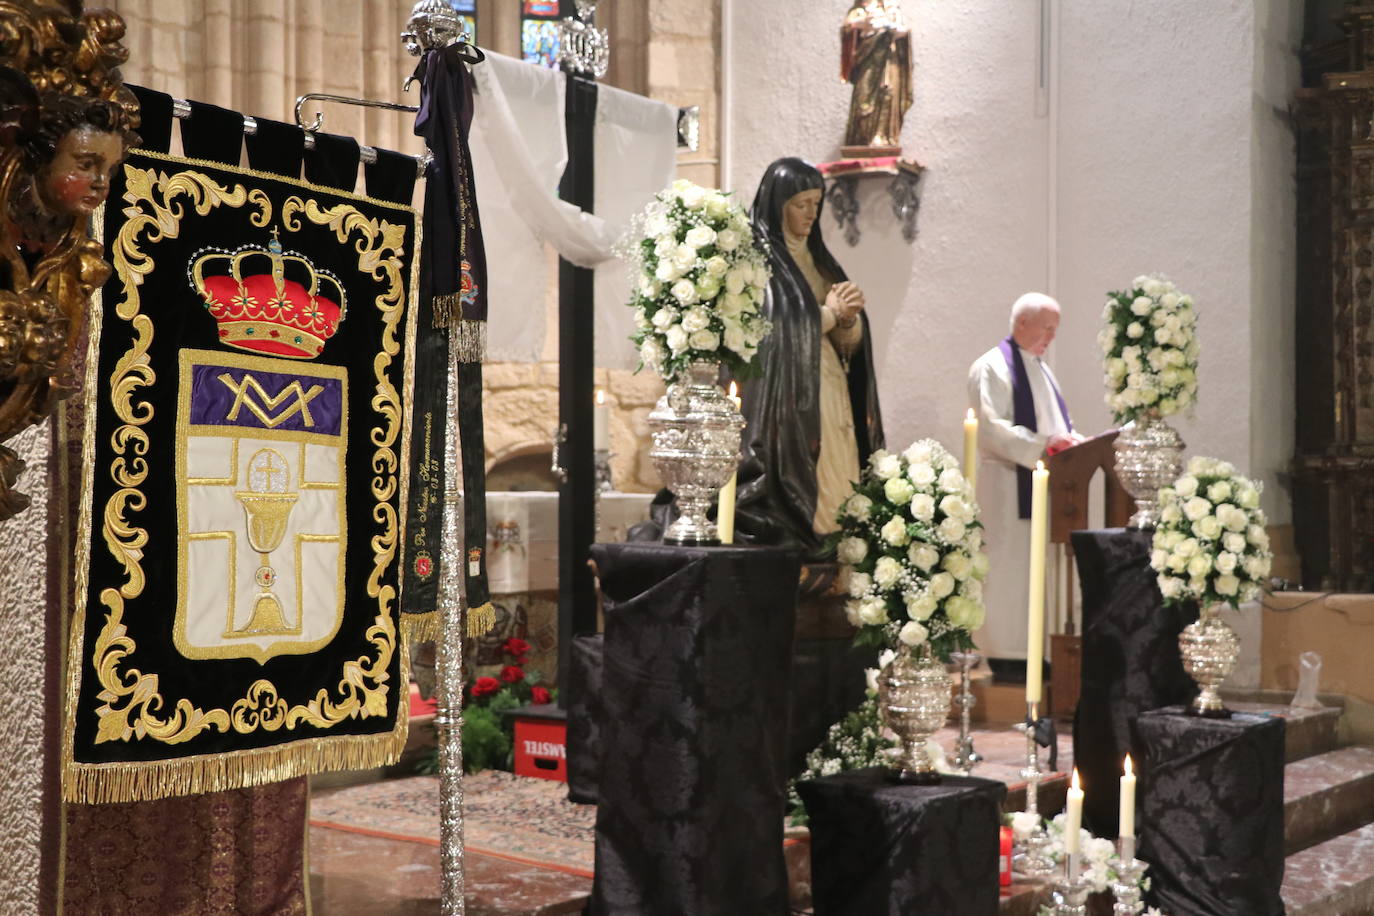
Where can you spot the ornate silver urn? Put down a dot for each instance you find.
(913, 694)
(1209, 649)
(696, 436)
(1149, 455)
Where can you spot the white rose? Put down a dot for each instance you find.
(873, 611)
(1116, 368)
(912, 633)
(1256, 567)
(964, 613)
(958, 564)
(894, 532)
(1170, 587)
(923, 556)
(1142, 305)
(953, 505)
(917, 453)
(852, 550)
(1134, 330)
(951, 481)
(684, 291)
(952, 530)
(886, 572)
(898, 491)
(1159, 557)
(859, 584)
(735, 339)
(642, 322)
(685, 257)
(1186, 486)
(700, 236)
(886, 465)
(667, 271)
(1098, 849)
(693, 197)
(886, 657)
(665, 244)
(651, 353)
(1171, 514)
(1233, 519)
(871, 679)
(704, 340)
(1233, 541)
(717, 266)
(1200, 565)
(1256, 535)
(922, 507)
(1197, 508)
(920, 605)
(858, 506)
(727, 240)
(972, 589)
(923, 475)
(1154, 287)
(851, 613)
(1207, 527)
(717, 206)
(1226, 562)
(677, 338)
(980, 564)
(1248, 497)
(707, 287)
(1023, 823)
(1219, 492)
(731, 305)
(695, 318)
(1226, 585)
(942, 585)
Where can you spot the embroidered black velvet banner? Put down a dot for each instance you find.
(236, 618)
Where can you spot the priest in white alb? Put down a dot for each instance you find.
(1022, 419)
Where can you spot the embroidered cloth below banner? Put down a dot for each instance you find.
(248, 380)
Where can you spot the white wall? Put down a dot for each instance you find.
(1162, 151)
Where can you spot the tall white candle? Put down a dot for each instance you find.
(1035, 605)
(1073, 820)
(725, 508)
(1128, 800)
(601, 437)
(971, 448)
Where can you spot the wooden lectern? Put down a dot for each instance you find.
(1071, 474)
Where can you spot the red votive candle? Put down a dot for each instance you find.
(1004, 858)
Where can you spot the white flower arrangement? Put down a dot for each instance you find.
(1099, 859)
(1149, 350)
(699, 281)
(912, 544)
(1211, 545)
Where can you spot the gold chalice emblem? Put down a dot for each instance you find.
(267, 505)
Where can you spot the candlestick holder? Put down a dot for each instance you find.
(1033, 859)
(1126, 887)
(1071, 894)
(604, 483)
(965, 757)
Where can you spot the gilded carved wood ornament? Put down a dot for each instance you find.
(66, 121)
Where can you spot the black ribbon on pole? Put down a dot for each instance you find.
(453, 314)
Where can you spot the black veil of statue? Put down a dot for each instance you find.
(777, 480)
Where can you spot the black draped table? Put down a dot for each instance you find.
(694, 696)
(1130, 661)
(1211, 812)
(879, 848)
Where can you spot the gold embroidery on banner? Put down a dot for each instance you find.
(243, 398)
(133, 708)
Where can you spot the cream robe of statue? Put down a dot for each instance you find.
(1002, 446)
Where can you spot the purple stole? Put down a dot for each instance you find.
(1023, 414)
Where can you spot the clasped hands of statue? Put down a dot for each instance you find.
(845, 301)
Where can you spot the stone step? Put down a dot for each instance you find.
(1327, 795)
(1308, 732)
(1334, 878)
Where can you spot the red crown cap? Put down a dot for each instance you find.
(267, 312)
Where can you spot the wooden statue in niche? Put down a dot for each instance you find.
(875, 58)
(66, 121)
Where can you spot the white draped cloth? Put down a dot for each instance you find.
(519, 151)
(1002, 445)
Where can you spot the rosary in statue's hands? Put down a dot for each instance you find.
(845, 300)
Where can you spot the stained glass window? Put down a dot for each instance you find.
(467, 12)
(539, 30)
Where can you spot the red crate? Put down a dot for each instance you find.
(541, 748)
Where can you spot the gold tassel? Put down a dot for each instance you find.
(470, 340)
(446, 308)
(481, 619)
(418, 628)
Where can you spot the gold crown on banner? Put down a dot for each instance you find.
(267, 311)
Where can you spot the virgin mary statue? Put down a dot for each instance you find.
(875, 58)
(812, 414)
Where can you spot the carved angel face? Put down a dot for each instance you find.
(76, 182)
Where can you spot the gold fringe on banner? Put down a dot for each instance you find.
(481, 619)
(418, 628)
(447, 308)
(470, 340)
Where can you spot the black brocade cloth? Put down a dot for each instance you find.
(1211, 812)
(585, 716)
(692, 789)
(1130, 662)
(879, 848)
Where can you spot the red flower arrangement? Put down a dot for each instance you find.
(540, 696)
(512, 674)
(517, 648)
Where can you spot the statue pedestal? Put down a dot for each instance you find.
(869, 162)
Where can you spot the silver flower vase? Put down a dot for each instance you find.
(1209, 649)
(1149, 455)
(696, 436)
(913, 694)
